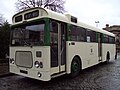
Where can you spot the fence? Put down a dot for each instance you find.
(4, 67)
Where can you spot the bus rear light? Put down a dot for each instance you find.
(12, 60)
(37, 64)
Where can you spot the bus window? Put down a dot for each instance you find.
(105, 39)
(82, 32)
(91, 35)
(54, 44)
(54, 33)
(30, 34)
(78, 34)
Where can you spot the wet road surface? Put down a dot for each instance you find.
(100, 77)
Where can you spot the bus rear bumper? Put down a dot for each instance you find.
(39, 75)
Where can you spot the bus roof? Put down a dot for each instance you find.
(57, 16)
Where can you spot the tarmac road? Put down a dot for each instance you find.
(100, 77)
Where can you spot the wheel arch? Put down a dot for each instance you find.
(77, 56)
(69, 62)
(108, 55)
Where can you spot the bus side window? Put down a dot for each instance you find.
(73, 33)
(91, 36)
(82, 33)
(77, 34)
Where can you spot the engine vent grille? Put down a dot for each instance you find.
(24, 59)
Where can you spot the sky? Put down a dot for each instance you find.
(87, 11)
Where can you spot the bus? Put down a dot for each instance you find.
(45, 44)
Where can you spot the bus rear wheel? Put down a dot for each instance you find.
(75, 67)
(108, 57)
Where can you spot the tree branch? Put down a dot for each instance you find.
(54, 5)
(24, 3)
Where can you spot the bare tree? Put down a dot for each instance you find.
(54, 5)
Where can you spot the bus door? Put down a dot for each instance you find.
(58, 46)
(100, 46)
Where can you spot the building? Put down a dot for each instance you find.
(116, 30)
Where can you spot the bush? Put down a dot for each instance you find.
(4, 40)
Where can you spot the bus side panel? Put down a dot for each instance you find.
(94, 59)
(83, 50)
(108, 48)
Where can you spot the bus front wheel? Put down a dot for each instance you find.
(75, 67)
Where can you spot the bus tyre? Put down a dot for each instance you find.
(108, 57)
(75, 67)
